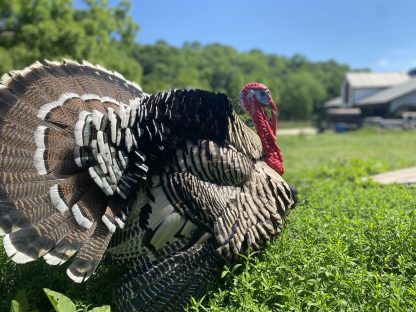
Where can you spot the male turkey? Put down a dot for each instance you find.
(172, 184)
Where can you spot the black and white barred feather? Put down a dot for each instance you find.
(170, 184)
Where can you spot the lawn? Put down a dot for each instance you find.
(390, 149)
(295, 124)
(348, 246)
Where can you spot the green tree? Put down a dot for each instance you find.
(39, 29)
(302, 92)
(33, 30)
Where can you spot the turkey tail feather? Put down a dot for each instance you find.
(49, 204)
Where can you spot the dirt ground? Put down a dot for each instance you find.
(402, 176)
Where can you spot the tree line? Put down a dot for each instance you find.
(43, 29)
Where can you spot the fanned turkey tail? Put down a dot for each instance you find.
(169, 283)
(50, 206)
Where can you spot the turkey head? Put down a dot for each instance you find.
(256, 100)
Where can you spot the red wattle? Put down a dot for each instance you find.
(276, 164)
(268, 138)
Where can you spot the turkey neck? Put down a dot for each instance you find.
(268, 139)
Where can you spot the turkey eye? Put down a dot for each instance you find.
(262, 97)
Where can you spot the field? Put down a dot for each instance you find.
(349, 245)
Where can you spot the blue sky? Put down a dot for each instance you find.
(377, 34)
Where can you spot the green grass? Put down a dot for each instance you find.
(349, 245)
(392, 149)
(291, 124)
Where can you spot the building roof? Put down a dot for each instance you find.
(375, 80)
(335, 102)
(390, 94)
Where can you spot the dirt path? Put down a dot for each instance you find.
(402, 176)
(297, 131)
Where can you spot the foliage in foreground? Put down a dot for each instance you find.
(348, 246)
(60, 303)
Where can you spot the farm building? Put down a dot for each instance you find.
(366, 94)
(391, 102)
(357, 86)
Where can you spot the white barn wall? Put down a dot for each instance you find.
(360, 93)
(406, 100)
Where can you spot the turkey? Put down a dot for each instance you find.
(171, 185)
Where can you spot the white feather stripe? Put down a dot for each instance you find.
(54, 260)
(40, 137)
(113, 123)
(101, 162)
(77, 157)
(107, 99)
(98, 119)
(118, 139)
(122, 114)
(133, 115)
(134, 105)
(84, 117)
(101, 143)
(111, 226)
(46, 108)
(97, 179)
(56, 199)
(118, 173)
(76, 279)
(125, 116)
(108, 155)
(39, 162)
(12, 252)
(121, 193)
(122, 159)
(123, 216)
(140, 155)
(113, 178)
(128, 140)
(94, 149)
(80, 218)
(142, 167)
(119, 222)
(90, 96)
(135, 142)
(5, 79)
(106, 187)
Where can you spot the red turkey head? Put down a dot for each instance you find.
(256, 100)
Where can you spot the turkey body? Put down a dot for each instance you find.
(171, 185)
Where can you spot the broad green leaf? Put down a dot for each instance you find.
(21, 298)
(15, 306)
(60, 302)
